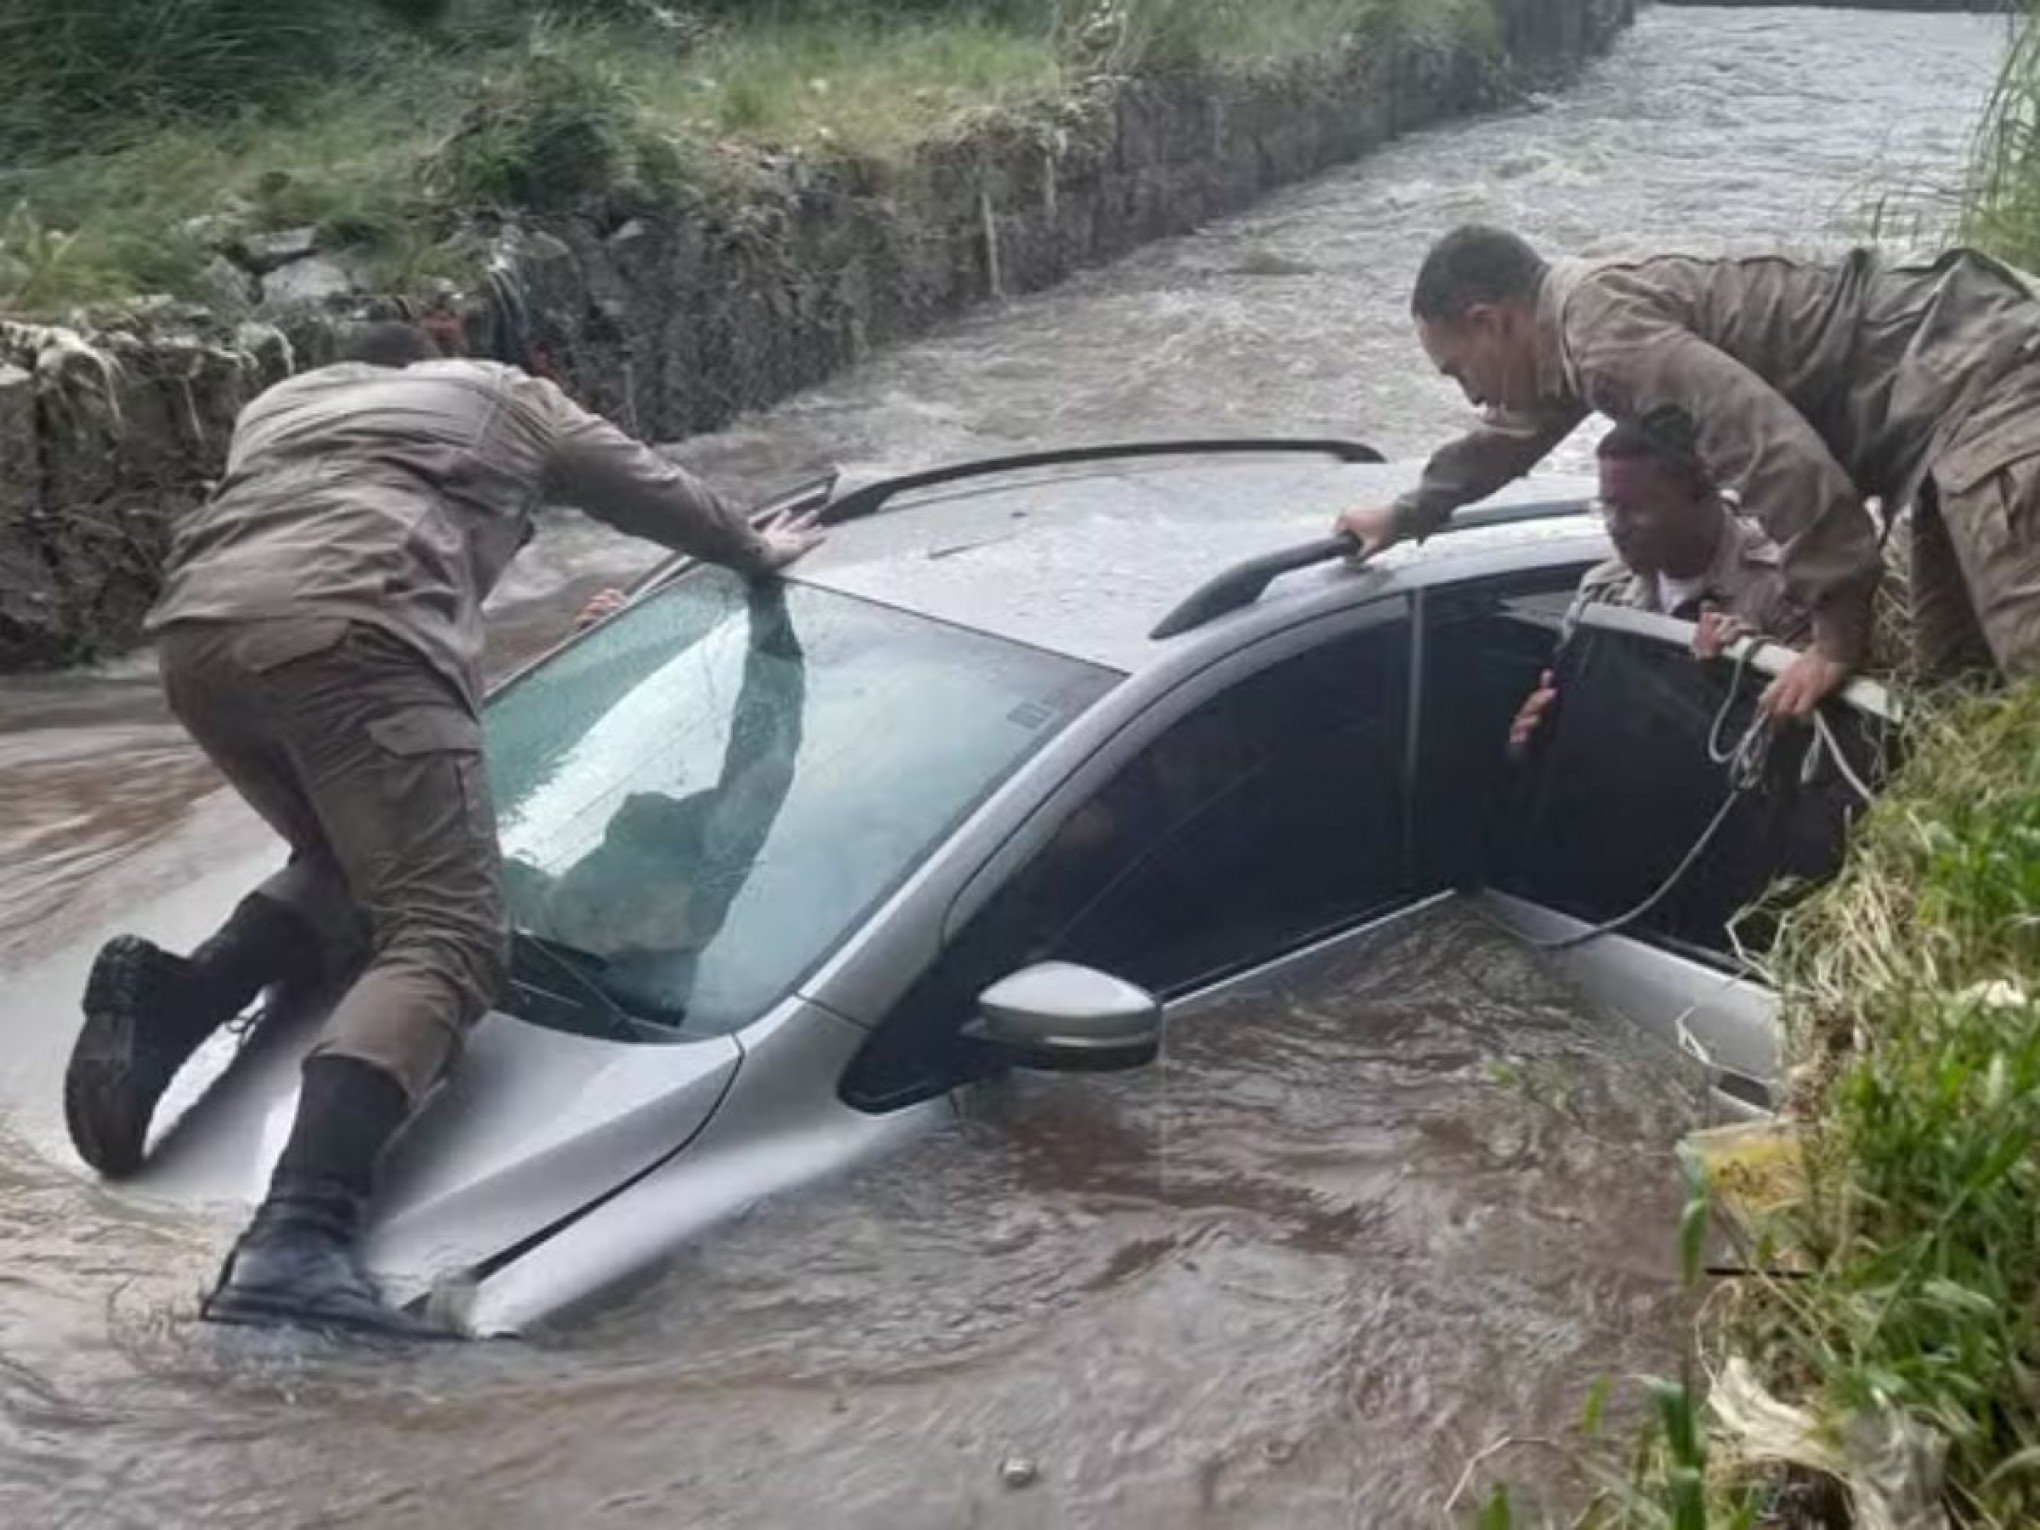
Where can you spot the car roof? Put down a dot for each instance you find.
(1085, 559)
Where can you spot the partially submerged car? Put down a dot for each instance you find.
(1031, 756)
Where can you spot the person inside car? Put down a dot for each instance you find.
(1681, 549)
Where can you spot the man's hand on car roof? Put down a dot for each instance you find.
(1372, 526)
(790, 536)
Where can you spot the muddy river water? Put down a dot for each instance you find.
(1361, 1221)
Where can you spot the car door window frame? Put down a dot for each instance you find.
(1083, 781)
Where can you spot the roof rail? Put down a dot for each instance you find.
(872, 496)
(1242, 584)
(868, 499)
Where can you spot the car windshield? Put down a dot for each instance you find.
(702, 797)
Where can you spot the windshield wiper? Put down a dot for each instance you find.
(572, 962)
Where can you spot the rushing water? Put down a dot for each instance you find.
(1358, 1224)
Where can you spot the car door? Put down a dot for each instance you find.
(1626, 782)
(1263, 817)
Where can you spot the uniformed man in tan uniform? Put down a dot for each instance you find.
(1680, 550)
(1815, 386)
(320, 634)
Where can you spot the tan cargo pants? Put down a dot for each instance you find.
(1976, 541)
(365, 759)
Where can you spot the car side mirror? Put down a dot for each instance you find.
(1063, 1018)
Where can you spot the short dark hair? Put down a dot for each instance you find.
(388, 343)
(1667, 436)
(1475, 264)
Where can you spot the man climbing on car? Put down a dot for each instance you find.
(320, 634)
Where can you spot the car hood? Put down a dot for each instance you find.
(533, 1127)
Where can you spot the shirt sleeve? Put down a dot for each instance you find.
(595, 467)
(1632, 358)
(1776, 612)
(1497, 452)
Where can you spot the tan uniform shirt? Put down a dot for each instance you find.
(1746, 579)
(397, 496)
(1814, 386)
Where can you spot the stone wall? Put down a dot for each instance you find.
(672, 317)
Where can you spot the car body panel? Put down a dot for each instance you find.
(1725, 1020)
(780, 1126)
(533, 1126)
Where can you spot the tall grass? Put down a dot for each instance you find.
(1147, 36)
(1912, 989)
(855, 80)
(2002, 202)
(98, 69)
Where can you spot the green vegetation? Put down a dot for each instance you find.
(131, 131)
(1912, 988)
(2002, 201)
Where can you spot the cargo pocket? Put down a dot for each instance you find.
(427, 730)
(261, 646)
(2000, 433)
(431, 734)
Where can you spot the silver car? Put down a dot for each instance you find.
(1000, 778)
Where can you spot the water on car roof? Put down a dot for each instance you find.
(1086, 558)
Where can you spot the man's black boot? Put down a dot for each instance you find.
(147, 1011)
(295, 1266)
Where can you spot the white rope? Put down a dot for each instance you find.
(1745, 768)
(1745, 762)
(1745, 759)
(1664, 888)
(1823, 745)
(1824, 739)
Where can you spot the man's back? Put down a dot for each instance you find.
(396, 496)
(1881, 359)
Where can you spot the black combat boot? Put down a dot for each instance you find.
(147, 1011)
(295, 1266)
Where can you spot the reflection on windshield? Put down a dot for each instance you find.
(701, 797)
(620, 902)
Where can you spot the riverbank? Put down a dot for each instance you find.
(690, 244)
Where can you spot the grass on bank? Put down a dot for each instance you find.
(383, 124)
(1897, 1301)
(388, 157)
(2001, 209)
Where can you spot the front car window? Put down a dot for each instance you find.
(1265, 818)
(699, 800)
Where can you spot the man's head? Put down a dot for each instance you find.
(1475, 304)
(1664, 515)
(387, 343)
